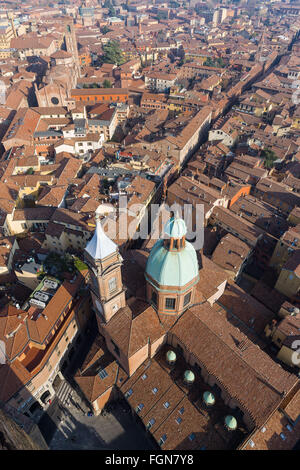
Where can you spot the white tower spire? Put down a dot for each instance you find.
(100, 246)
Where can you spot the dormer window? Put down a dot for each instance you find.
(139, 407)
(154, 298)
(129, 393)
(150, 423)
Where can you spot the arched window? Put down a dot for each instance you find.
(154, 298)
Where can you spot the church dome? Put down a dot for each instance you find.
(189, 376)
(171, 356)
(175, 228)
(208, 398)
(174, 268)
(230, 422)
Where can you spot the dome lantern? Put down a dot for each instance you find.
(189, 377)
(171, 357)
(209, 398)
(175, 230)
(230, 423)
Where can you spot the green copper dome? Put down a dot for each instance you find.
(209, 398)
(171, 356)
(175, 228)
(173, 268)
(189, 376)
(230, 422)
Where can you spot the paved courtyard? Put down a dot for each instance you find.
(66, 426)
(116, 430)
(69, 428)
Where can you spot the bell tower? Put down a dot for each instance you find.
(104, 262)
(71, 46)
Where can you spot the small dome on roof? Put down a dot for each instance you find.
(208, 398)
(175, 228)
(189, 376)
(230, 422)
(171, 356)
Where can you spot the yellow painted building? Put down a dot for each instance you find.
(286, 336)
(288, 283)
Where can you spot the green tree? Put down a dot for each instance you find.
(112, 53)
(181, 55)
(112, 11)
(209, 62)
(105, 30)
(106, 83)
(160, 36)
(269, 158)
(220, 62)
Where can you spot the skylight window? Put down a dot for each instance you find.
(282, 436)
(102, 374)
(155, 390)
(144, 376)
(129, 393)
(181, 411)
(163, 439)
(178, 420)
(166, 404)
(139, 407)
(192, 436)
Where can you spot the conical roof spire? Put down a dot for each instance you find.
(100, 246)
